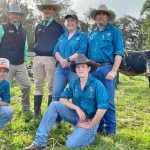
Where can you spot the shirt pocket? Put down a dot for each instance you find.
(106, 42)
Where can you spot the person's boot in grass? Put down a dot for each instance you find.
(49, 99)
(34, 147)
(37, 107)
(27, 115)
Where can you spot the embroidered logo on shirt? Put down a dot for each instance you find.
(11, 31)
(91, 89)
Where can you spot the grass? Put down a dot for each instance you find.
(133, 121)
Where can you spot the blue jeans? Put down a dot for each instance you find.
(78, 138)
(6, 113)
(61, 77)
(109, 120)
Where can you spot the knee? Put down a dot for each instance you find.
(8, 112)
(54, 104)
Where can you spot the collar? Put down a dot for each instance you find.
(76, 33)
(107, 26)
(47, 22)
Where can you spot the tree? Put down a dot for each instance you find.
(134, 39)
(145, 15)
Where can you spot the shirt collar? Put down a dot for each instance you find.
(76, 33)
(47, 22)
(107, 26)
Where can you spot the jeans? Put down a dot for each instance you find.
(78, 138)
(109, 119)
(6, 113)
(61, 77)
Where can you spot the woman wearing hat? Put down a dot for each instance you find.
(6, 112)
(89, 104)
(106, 48)
(69, 45)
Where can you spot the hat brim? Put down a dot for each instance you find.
(56, 7)
(4, 66)
(111, 14)
(90, 63)
(21, 13)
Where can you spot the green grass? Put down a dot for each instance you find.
(133, 121)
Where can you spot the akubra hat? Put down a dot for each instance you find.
(15, 8)
(81, 59)
(4, 63)
(52, 3)
(103, 8)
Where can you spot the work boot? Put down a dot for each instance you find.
(37, 105)
(49, 99)
(34, 147)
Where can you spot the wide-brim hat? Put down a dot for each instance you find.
(51, 3)
(15, 8)
(4, 63)
(74, 16)
(103, 8)
(81, 59)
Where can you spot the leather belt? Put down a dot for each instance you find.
(103, 64)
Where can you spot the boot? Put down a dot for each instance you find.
(49, 99)
(34, 147)
(37, 105)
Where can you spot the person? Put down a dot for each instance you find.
(69, 45)
(14, 47)
(46, 36)
(6, 111)
(106, 48)
(88, 105)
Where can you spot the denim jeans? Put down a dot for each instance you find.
(109, 120)
(6, 113)
(61, 77)
(78, 138)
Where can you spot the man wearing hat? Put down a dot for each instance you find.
(6, 112)
(88, 105)
(106, 48)
(46, 36)
(14, 47)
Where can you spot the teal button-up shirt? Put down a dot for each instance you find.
(91, 98)
(77, 44)
(105, 44)
(5, 91)
(26, 42)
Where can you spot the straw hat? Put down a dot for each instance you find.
(81, 59)
(103, 8)
(49, 3)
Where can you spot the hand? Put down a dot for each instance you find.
(85, 124)
(64, 63)
(111, 75)
(81, 115)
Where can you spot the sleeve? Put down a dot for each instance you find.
(101, 96)
(118, 42)
(56, 48)
(6, 95)
(26, 49)
(68, 92)
(83, 44)
(1, 32)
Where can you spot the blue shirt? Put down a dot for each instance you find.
(5, 91)
(104, 45)
(92, 97)
(77, 44)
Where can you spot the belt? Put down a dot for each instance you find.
(103, 64)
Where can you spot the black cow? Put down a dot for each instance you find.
(136, 63)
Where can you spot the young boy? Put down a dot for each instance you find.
(6, 112)
(89, 104)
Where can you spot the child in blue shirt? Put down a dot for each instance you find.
(6, 112)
